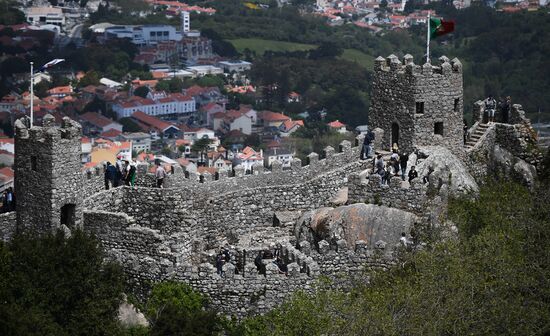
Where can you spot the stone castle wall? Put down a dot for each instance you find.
(367, 189)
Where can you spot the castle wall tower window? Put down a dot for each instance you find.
(419, 107)
(34, 163)
(438, 128)
(457, 104)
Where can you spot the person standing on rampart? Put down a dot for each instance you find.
(160, 174)
(110, 175)
(490, 107)
(412, 174)
(130, 174)
(379, 167)
(403, 159)
(119, 171)
(367, 145)
(505, 109)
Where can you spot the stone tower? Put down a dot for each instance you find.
(418, 105)
(48, 175)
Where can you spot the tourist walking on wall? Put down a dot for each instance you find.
(160, 174)
(490, 106)
(130, 174)
(403, 159)
(505, 109)
(110, 175)
(426, 178)
(119, 171)
(379, 167)
(367, 145)
(9, 200)
(389, 172)
(412, 174)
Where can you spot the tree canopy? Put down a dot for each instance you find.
(51, 285)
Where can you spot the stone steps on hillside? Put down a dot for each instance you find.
(476, 136)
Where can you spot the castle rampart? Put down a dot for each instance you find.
(368, 189)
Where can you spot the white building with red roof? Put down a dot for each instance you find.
(272, 119)
(248, 157)
(290, 126)
(155, 126)
(338, 126)
(175, 103)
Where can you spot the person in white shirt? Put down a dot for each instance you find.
(160, 175)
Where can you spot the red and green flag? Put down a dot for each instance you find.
(440, 27)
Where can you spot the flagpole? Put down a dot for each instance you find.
(428, 41)
(32, 92)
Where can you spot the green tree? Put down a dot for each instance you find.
(90, 78)
(141, 91)
(52, 285)
(176, 309)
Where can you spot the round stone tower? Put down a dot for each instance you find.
(418, 105)
(48, 175)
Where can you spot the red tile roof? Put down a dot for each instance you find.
(96, 119)
(151, 121)
(8, 172)
(112, 133)
(336, 124)
(61, 90)
(273, 116)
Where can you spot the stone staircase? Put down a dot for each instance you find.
(480, 130)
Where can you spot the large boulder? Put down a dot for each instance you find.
(505, 165)
(448, 169)
(367, 222)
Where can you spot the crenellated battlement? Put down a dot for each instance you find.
(392, 64)
(48, 131)
(367, 188)
(260, 176)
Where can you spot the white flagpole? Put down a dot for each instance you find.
(428, 41)
(32, 92)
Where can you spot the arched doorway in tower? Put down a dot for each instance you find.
(394, 133)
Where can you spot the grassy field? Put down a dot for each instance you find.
(364, 60)
(260, 46)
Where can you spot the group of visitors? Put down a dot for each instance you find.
(396, 166)
(274, 256)
(504, 105)
(8, 200)
(123, 172)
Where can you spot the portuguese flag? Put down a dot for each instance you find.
(439, 27)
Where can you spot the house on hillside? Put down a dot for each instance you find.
(247, 158)
(271, 119)
(338, 126)
(155, 127)
(283, 155)
(290, 126)
(94, 123)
